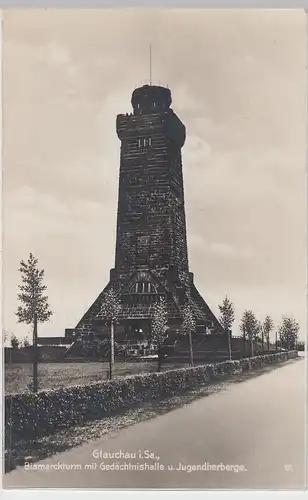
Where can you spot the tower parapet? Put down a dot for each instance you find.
(150, 99)
(152, 116)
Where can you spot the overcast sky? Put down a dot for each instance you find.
(238, 83)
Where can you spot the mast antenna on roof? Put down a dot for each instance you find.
(150, 64)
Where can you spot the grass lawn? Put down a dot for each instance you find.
(18, 376)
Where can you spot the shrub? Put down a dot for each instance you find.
(28, 416)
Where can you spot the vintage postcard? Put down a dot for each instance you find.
(154, 248)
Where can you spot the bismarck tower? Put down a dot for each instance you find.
(151, 258)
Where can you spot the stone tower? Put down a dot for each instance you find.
(151, 258)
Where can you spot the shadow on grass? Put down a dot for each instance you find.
(43, 447)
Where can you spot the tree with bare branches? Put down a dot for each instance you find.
(159, 328)
(249, 328)
(110, 311)
(189, 326)
(34, 306)
(226, 319)
(15, 343)
(268, 326)
(288, 332)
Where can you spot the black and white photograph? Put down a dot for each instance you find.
(154, 248)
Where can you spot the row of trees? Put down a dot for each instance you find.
(255, 331)
(34, 308)
(15, 343)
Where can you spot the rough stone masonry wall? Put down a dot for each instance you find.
(151, 202)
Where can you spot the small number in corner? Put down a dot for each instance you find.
(288, 467)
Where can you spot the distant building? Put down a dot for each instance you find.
(301, 345)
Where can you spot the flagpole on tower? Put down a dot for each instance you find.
(150, 64)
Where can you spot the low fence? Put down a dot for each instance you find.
(46, 354)
(28, 416)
